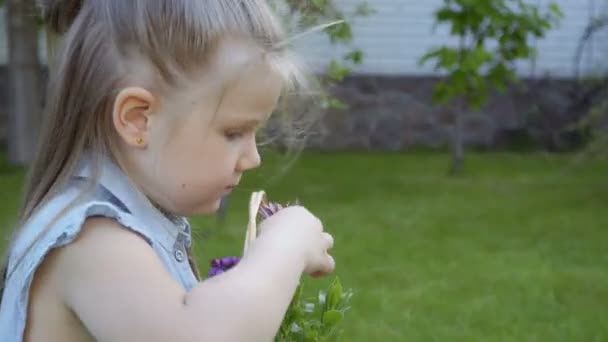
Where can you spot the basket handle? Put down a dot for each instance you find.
(255, 201)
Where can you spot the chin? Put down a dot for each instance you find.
(205, 209)
(202, 207)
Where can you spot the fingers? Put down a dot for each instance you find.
(328, 240)
(326, 268)
(306, 230)
(327, 264)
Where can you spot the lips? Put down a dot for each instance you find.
(230, 188)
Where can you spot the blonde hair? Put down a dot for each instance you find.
(99, 39)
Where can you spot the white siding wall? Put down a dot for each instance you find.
(401, 31)
(394, 38)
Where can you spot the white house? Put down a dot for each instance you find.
(400, 31)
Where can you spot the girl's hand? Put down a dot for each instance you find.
(295, 230)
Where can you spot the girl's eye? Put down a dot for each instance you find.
(233, 135)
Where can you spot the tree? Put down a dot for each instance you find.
(306, 14)
(304, 17)
(591, 91)
(492, 35)
(25, 105)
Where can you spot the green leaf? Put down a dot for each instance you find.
(311, 335)
(355, 56)
(441, 93)
(429, 56)
(477, 93)
(364, 10)
(334, 295)
(555, 10)
(473, 60)
(448, 58)
(458, 81)
(446, 14)
(337, 104)
(319, 4)
(341, 32)
(332, 318)
(445, 58)
(498, 76)
(337, 71)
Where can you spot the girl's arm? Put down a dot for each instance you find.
(114, 282)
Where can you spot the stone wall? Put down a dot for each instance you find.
(397, 113)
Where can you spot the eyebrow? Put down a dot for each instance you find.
(249, 123)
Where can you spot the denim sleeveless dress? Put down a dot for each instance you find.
(114, 197)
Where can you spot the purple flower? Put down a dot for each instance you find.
(268, 209)
(222, 265)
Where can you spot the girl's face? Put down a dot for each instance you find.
(198, 143)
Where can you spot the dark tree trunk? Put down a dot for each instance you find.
(458, 131)
(458, 141)
(25, 106)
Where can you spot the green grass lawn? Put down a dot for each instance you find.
(515, 250)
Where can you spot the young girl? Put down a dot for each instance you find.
(153, 108)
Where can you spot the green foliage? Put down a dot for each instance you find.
(593, 126)
(593, 86)
(493, 35)
(307, 14)
(315, 319)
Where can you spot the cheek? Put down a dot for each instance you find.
(183, 166)
(184, 150)
(190, 193)
(199, 197)
(194, 172)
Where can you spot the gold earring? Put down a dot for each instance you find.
(140, 141)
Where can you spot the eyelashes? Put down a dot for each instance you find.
(231, 136)
(237, 134)
(240, 132)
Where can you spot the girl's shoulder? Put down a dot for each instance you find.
(59, 221)
(108, 193)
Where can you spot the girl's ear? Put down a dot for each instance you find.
(132, 115)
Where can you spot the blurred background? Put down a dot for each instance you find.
(459, 159)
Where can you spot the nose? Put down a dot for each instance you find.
(250, 159)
